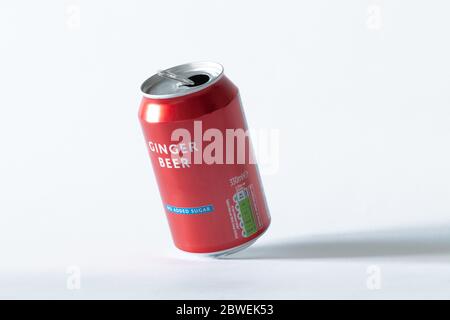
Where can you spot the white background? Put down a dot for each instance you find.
(359, 91)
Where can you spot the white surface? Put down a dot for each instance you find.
(357, 89)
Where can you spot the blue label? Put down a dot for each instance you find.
(195, 210)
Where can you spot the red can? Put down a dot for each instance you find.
(197, 138)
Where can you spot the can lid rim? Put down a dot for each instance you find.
(200, 66)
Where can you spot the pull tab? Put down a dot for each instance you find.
(170, 75)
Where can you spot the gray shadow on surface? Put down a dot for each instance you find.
(424, 241)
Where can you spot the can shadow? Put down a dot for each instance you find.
(408, 242)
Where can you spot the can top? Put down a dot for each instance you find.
(182, 80)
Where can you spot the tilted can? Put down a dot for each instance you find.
(200, 150)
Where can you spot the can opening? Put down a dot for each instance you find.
(182, 80)
(198, 79)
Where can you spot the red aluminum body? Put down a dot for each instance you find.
(217, 106)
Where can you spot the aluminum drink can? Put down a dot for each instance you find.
(197, 137)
